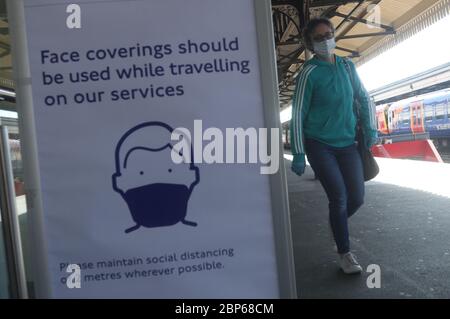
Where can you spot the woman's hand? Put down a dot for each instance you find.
(298, 164)
(370, 141)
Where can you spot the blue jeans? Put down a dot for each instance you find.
(340, 172)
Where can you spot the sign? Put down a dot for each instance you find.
(152, 149)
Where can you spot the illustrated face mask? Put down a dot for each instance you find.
(158, 205)
(324, 48)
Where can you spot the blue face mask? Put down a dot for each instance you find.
(158, 205)
(324, 48)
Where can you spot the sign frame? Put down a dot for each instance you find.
(24, 100)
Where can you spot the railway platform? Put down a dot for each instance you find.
(402, 227)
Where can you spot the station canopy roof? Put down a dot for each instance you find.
(364, 29)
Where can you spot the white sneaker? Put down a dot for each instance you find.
(348, 264)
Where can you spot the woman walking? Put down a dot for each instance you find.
(323, 127)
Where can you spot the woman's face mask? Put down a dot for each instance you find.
(324, 48)
(323, 41)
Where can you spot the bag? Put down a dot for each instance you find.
(370, 166)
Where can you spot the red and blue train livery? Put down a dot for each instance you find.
(426, 114)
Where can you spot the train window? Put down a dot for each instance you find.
(440, 111)
(428, 113)
(419, 113)
(404, 116)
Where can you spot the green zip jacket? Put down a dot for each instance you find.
(322, 106)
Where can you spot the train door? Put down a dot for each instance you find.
(382, 119)
(417, 117)
(392, 120)
(386, 118)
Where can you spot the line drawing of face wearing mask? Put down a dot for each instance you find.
(155, 189)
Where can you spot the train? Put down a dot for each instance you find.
(422, 114)
(426, 115)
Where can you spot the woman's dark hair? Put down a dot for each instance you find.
(310, 27)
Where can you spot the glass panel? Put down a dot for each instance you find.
(4, 293)
(8, 117)
(404, 116)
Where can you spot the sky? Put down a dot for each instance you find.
(423, 51)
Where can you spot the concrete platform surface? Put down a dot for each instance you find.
(404, 227)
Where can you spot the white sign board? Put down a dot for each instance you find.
(113, 82)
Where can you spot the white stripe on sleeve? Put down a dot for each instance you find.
(298, 114)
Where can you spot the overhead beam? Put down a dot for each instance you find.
(326, 3)
(353, 52)
(365, 35)
(311, 3)
(359, 3)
